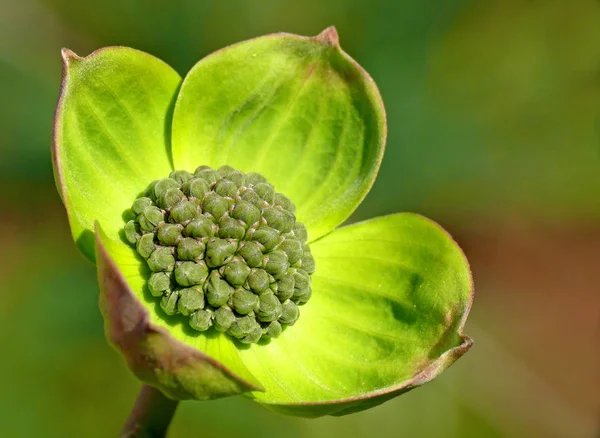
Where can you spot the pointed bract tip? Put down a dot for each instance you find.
(329, 37)
(69, 56)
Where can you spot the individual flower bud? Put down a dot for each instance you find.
(201, 320)
(223, 318)
(276, 263)
(190, 273)
(224, 171)
(190, 300)
(265, 191)
(161, 186)
(225, 188)
(218, 290)
(292, 249)
(132, 232)
(279, 219)
(249, 195)
(181, 176)
(218, 252)
(170, 198)
(285, 203)
(190, 249)
(272, 330)
(183, 212)
(242, 326)
(169, 234)
(145, 245)
(267, 236)
(243, 301)
(269, 307)
(300, 232)
(196, 188)
(254, 335)
(201, 226)
(238, 178)
(246, 212)
(308, 263)
(206, 173)
(235, 272)
(158, 283)
(140, 204)
(254, 178)
(215, 205)
(150, 218)
(289, 313)
(251, 253)
(161, 259)
(229, 228)
(301, 286)
(258, 280)
(169, 302)
(285, 286)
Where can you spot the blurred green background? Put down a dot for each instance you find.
(494, 131)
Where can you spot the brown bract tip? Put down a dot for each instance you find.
(329, 37)
(69, 56)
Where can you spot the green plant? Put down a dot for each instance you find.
(390, 296)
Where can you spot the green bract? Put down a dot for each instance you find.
(390, 296)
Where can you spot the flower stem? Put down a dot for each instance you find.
(150, 416)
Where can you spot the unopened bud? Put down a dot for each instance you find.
(243, 301)
(289, 313)
(150, 218)
(254, 178)
(158, 283)
(251, 253)
(201, 226)
(170, 198)
(190, 249)
(229, 228)
(181, 176)
(285, 286)
(285, 203)
(196, 188)
(225, 188)
(190, 273)
(132, 232)
(169, 302)
(293, 249)
(267, 236)
(272, 330)
(169, 234)
(265, 191)
(201, 320)
(161, 186)
(258, 280)
(206, 173)
(281, 220)
(215, 205)
(218, 291)
(145, 245)
(242, 326)
(223, 318)
(276, 263)
(269, 307)
(218, 252)
(140, 204)
(246, 212)
(161, 259)
(190, 300)
(308, 263)
(235, 272)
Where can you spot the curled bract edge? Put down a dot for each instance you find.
(155, 356)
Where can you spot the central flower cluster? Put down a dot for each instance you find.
(225, 251)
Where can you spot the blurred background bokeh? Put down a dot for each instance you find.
(494, 131)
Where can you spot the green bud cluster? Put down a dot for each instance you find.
(225, 251)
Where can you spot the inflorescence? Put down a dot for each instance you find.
(225, 251)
